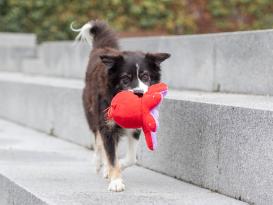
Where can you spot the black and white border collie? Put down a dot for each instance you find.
(110, 71)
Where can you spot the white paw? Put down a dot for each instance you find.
(116, 185)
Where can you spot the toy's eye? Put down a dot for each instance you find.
(145, 77)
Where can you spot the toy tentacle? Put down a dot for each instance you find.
(148, 138)
(150, 122)
(160, 87)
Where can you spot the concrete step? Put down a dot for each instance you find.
(239, 62)
(218, 141)
(69, 59)
(36, 168)
(59, 59)
(51, 105)
(15, 48)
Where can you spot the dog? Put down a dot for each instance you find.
(110, 71)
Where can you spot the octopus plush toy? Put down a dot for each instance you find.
(130, 110)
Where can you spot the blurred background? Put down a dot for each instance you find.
(50, 19)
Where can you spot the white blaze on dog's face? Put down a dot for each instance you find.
(141, 85)
(134, 71)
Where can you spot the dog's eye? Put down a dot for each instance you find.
(145, 77)
(125, 80)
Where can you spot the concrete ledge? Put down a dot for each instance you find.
(191, 63)
(12, 194)
(17, 39)
(47, 104)
(15, 48)
(52, 171)
(59, 59)
(243, 62)
(218, 141)
(239, 62)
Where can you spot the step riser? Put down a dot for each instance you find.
(12, 194)
(15, 49)
(12, 59)
(37, 166)
(228, 149)
(238, 62)
(17, 39)
(54, 110)
(63, 59)
(219, 147)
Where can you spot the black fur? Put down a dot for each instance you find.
(109, 71)
(136, 134)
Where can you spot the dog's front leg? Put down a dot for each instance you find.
(130, 158)
(110, 141)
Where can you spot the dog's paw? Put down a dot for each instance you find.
(116, 185)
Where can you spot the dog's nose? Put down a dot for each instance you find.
(138, 92)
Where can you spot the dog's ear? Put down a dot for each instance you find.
(157, 58)
(110, 60)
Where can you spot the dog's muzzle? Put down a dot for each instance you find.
(138, 92)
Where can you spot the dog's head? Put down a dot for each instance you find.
(133, 70)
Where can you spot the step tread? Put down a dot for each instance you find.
(18, 77)
(226, 99)
(53, 171)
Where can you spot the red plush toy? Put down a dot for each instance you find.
(129, 110)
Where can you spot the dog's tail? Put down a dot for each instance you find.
(98, 34)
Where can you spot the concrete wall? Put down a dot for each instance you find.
(224, 148)
(219, 141)
(244, 62)
(14, 49)
(239, 62)
(61, 59)
(191, 62)
(51, 106)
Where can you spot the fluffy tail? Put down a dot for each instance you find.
(103, 35)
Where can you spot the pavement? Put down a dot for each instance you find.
(36, 168)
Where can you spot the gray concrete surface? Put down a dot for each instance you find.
(11, 193)
(218, 141)
(15, 48)
(239, 62)
(244, 62)
(47, 104)
(17, 39)
(191, 62)
(227, 148)
(61, 59)
(38, 169)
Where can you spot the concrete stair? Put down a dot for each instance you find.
(238, 62)
(214, 140)
(51, 105)
(15, 48)
(219, 141)
(38, 169)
